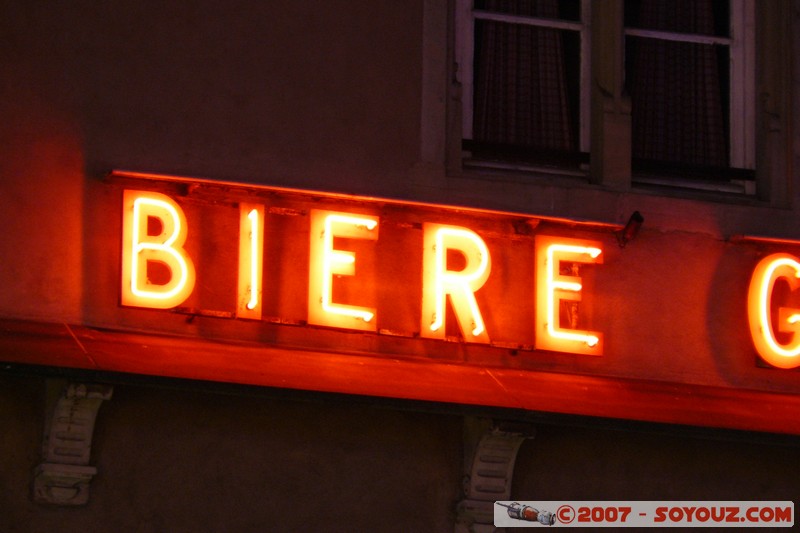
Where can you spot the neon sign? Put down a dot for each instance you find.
(771, 269)
(554, 287)
(251, 261)
(327, 262)
(456, 264)
(440, 282)
(143, 248)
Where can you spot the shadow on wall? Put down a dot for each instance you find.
(287, 93)
(41, 201)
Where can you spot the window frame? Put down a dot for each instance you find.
(466, 17)
(603, 22)
(741, 85)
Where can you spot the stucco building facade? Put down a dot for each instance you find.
(208, 421)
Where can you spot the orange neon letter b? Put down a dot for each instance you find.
(163, 245)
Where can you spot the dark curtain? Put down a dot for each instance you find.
(520, 87)
(675, 88)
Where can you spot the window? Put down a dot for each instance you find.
(677, 79)
(522, 65)
(689, 73)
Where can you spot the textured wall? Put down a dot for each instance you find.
(186, 460)
(322, 95)
(178, 460)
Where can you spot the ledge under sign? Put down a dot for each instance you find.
(80, 347)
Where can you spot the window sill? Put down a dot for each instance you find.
(523, 170)
(665, 185)
(740, 188)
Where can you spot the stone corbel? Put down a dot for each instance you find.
(490, 469)
(64, 475)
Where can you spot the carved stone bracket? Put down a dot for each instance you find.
(63, 476)
(491, 468)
